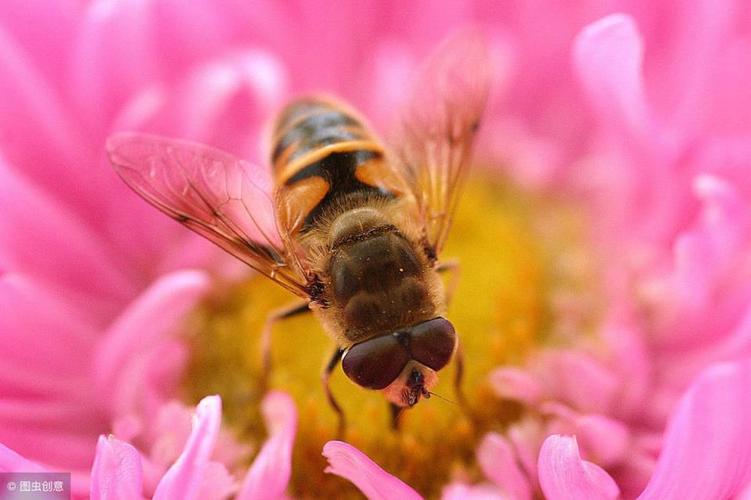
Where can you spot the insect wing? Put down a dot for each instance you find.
(438, 126)
(212, 193)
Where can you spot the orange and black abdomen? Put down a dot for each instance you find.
(324, 157)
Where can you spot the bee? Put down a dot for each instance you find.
(352, 227)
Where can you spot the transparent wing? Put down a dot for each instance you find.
(438, 126)
(218, 196)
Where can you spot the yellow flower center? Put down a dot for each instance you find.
(522, 257)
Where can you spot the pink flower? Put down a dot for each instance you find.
(95, 286)
(639, 119)
(121, 472)
(706, 454)
(665, 176)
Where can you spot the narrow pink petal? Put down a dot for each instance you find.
(375, 483)
(39, 134)
(707, 450)
(565, 476)
(148, 380)
(608, 58)
(564, 373)
(26, 380)
(631, 361)
(42, 238)
(44, 28)
(728, 157)
(58, 448)
(500, 464)
(113, 55)
(151, 318)
(270, 472)
(603, 438)
(186, 475)
(218, 483)
(194, 31)
(116, 474)
(83, 316)
(516, 384)
(735, 345)
(171, 427)
(227, 102)
(704, 31)
(36, 330)
(30, 414)
(704, 252)
(459, 491)
(526, 436)
(10, 461)
(725, 212)
(44, 140)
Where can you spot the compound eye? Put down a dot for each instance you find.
(432, 342)
(375, 363)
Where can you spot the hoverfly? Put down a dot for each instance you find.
(350, 226)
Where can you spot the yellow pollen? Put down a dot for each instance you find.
(515, 251)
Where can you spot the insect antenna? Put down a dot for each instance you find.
(443, 398)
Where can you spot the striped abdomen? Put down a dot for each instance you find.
(324, 158)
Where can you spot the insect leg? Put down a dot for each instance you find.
(458, 376)
(396, 413)
(325, 376)
(295, 309)
(452, 267)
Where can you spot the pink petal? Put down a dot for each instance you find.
(217, 483)
(631, 360)
(41, 238)
(459, 491)
(225, 103)
(516, 384)
(707, 450)
(375, 483)
(499, 463)
(38, 331)
(43, 139)
(706, 275)
(44, 28)
(725, 215)
(608, 58)
(194, 31)
(728, 158)
(603, 438)
(62, 447)
(745, 494)
(35, 413)
(155, 315)
(705, 251)
(186, 475)
(39, 134)
(146, 382)
(10, 461)
(116, 474)
(170, 429)
(580, 380)
(565, 476)
(526, 436)
(270, 472)
(688, 90)
(113, 55)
